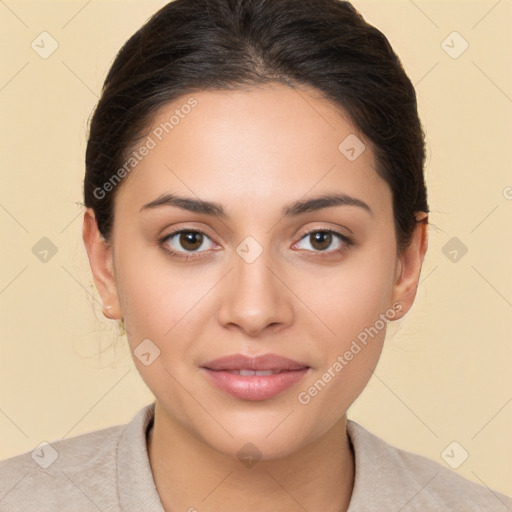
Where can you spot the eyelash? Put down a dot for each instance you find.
(347, 242)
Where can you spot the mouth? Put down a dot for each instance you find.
(254, 378)
(261, 373)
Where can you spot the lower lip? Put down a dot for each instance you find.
(255, 387)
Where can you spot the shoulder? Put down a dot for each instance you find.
(107, 470)
(80, 470)
(388, 478)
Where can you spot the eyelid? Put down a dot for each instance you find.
(324, 229)
(177, 231)
(346, 240)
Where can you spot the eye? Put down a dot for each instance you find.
(185, 241)
(320, 240)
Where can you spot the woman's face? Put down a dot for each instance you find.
(257, 273)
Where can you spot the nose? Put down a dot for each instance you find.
(254, 298)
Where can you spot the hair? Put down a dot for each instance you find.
(200, 45)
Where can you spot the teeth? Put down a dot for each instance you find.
(248, 373)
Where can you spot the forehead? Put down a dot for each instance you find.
(271, 143)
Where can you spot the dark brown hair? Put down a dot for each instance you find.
(195, 45)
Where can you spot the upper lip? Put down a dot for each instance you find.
(262, 362)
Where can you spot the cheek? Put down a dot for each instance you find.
(156, 297)
(352, 297)
(349, 356)
(355, 304)
(161, 303)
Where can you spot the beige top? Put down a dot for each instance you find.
(108, 470)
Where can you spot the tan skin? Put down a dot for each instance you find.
(254, 152)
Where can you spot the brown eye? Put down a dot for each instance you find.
(327, 241)
(187, 241)
(321, 240)
(190, 240)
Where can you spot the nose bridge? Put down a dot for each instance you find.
(254, 298)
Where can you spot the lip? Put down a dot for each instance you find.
(258, 363)
(254, 387)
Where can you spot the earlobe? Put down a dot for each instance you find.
(409, 266)
(99, 252)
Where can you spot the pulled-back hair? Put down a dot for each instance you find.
(199, 45)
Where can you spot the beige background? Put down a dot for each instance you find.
(445, 374)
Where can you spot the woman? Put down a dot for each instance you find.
(256, 216)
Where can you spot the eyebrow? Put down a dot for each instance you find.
(293, 209)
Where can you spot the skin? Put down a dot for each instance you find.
(254, 152)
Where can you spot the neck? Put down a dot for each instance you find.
(190, 475)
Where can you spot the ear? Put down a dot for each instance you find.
(100, 256)
(408, 267)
